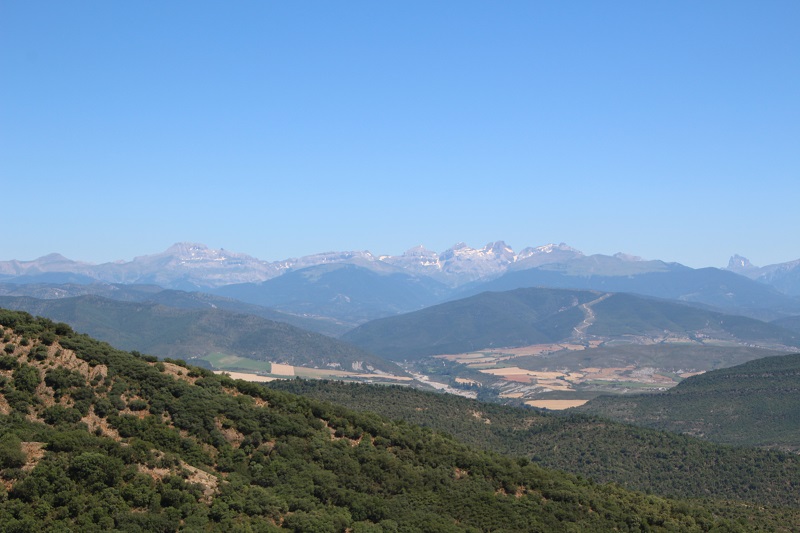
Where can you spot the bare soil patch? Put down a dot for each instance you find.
(34, 451)
(556, 405)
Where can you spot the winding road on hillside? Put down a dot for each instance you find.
(589, 316)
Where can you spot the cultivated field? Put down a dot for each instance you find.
(552, 376)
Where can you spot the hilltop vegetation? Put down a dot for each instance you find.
(95, 439)
(752, 404)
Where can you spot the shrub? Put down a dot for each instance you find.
(58, 414)
(11, 454)
(26, 378)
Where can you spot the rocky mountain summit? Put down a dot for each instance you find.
(783, 276)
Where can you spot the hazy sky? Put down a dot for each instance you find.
(666, 129)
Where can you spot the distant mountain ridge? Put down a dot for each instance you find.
(169, 298)
(349, 288)
(783, 276)
(349, 293)
(189, 266)
(710, 288)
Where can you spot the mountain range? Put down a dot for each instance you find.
(194, 265)
(354, 287)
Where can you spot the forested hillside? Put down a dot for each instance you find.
(753, 404)
(530, 316)
(639, 458)
(514, 318)
(165, 297)
(95, 439)
(172, 332)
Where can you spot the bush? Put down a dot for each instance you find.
(137, 405)
(95, 470)
(26, 378)
(62, 329)
(58, 414)
(61, 379)
(11, 454)
(47, 338)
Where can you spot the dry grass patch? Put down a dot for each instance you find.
(479, 416)
(34, 451)
(281, 370)
(177, 371)
(94, 423)
(555, 405)
(231, 434)
(555, 384)
(207, 482)
(5, 409)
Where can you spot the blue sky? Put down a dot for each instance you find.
(669, 130)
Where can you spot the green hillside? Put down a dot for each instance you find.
(198, 333)
(169, 298)
(720, 289)
(490, 319)
(537, 316)
(95, 439)
(637, 458)
(753, 404)
(791, 323)
(628, 314)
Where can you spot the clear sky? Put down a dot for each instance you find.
(669, 130)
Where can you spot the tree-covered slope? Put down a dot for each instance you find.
(536, 316)
(791, 323)
(721, 289)
(629, 314)
(514, 318)
(95, 439)
(639, 458)
(753, 404)
(169, 298)
(187, 333)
